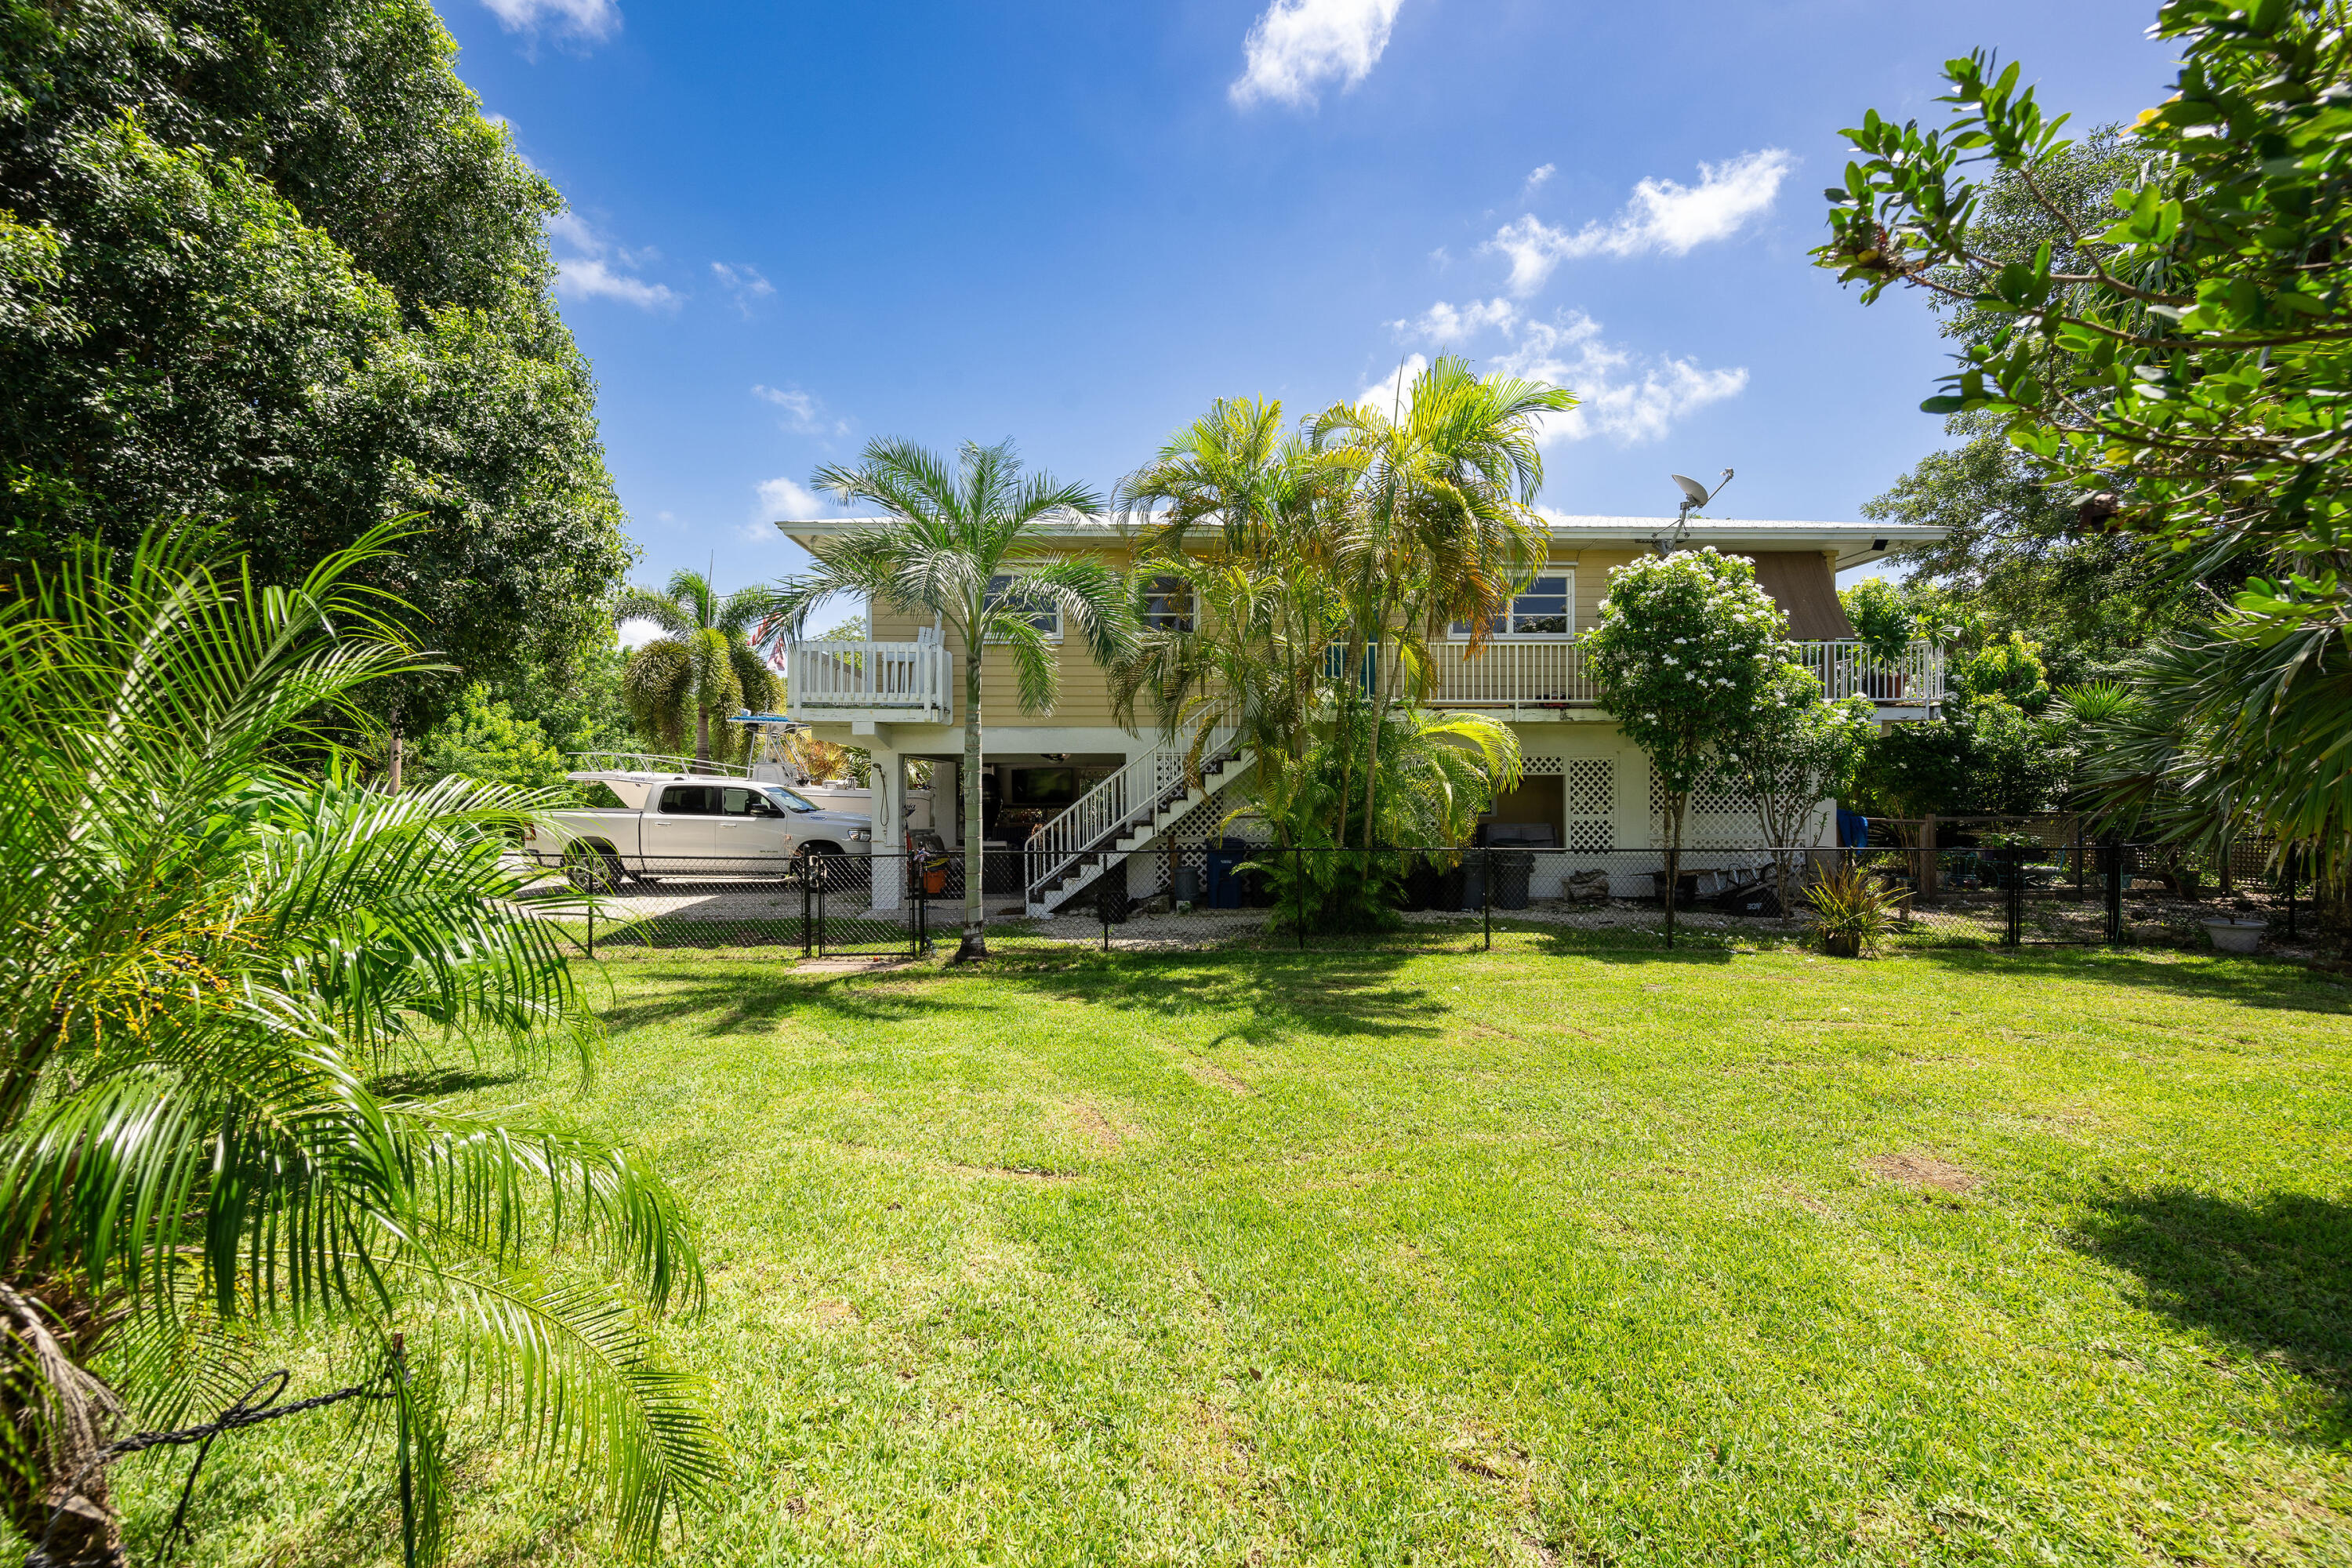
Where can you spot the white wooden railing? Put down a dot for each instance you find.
(906, 678)
(1129, 798)
(892, 677)
(1507, 673)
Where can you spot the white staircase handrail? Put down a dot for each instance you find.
(1128, 798)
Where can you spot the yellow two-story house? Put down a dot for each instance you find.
(1076, 791)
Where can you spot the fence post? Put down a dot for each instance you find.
(2111, 864)
(2293, 872)
(2014, 885)
(1487, 898)
(1298, 880)
(808, 934)
(1674, 880)
(592, 925)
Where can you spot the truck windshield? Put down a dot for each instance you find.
(788, 800)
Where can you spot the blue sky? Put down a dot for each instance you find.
(796, 227)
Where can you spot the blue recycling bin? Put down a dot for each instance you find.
(1224, 889)
(1853, 829)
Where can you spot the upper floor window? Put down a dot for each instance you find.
(1546, 608)
(1167, 604)
(1045, 615)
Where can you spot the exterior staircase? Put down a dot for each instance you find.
(1120, 815)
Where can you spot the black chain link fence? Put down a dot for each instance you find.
(2010, 888)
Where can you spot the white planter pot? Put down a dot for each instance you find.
(2234, 936)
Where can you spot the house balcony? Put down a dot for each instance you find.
(1530, 676)
(853, 682)
(914, 683)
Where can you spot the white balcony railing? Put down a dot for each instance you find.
(877, 679)
(1505, 673)
(917, 680)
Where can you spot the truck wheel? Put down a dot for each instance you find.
(589, 869)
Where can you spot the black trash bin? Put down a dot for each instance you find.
(1515, 873)
(1473, 872)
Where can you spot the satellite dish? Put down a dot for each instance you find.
(1691, 488)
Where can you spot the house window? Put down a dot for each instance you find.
(1005, 589)
(1168, 604)
(1547, 609)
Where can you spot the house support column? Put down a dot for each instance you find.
(947, 802)
(889, 821)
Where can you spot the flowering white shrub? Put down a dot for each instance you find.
(1686, 648)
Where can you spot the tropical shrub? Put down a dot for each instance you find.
(227, 989)
(1853, 903)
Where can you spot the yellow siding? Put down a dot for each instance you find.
(1086, 689)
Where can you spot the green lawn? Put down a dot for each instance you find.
(1564, 1253)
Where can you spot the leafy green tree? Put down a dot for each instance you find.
(1686, 650)
(484, 739)
(2020, 553)
(702, 665)
(267, 264)
(1798, 751)
(219, 975)
(2184, 365)
(1883, 618)
(954, 531)
(2010, 668)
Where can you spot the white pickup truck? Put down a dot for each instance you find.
(690, 825)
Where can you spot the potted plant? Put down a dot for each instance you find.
(1852, 909)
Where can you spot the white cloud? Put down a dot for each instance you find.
(805, 415)
(586, 277)
(1447, 323)
(603, 270)
(1662, 216)
(787, 501)
(1625, 400)
(1389, 395)
(590, 20)
(1536, 179)
(1298, 45)
(743, 284)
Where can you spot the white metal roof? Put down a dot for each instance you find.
(1856, 542)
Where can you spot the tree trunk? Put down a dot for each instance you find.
(1675, 802)
(975, 858)
(394, 751)
(701, 740)
(63, 1507)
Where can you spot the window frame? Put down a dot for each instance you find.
(1171, 620)
(1459, 631)
(1052, 634)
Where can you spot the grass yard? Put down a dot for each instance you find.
(1567, 1253)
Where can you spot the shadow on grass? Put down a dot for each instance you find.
(1276, 991)
(1272, 991)
(434, 1083)
(2251, 983)
(2273, 1277)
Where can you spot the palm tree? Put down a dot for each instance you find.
(216, 965)
(1441, 526)
(953, 533)
(1250, 658)
(703, 664)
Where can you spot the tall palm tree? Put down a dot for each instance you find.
(951, 532)
(214, 961)
(1441, 526)
(1251, 655)
(703, 664)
